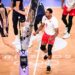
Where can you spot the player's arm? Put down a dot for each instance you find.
(56, 28)
(11, 7)
(55, 35)
(40, 28)
(19, 11)
(56, 32)
(73, 7)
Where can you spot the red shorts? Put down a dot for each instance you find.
(65, 12)
(45, 39)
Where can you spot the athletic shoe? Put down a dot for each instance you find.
(45, 57)
(66, 29)
(67, 35)
(48, 69)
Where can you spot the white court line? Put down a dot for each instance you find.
(38, 53)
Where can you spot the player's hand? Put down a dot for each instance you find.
(10, 9)
(68, 9)
(16, 9)
(50, 39)
(34, 33)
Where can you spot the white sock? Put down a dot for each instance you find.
(46, 54)
(49, 62)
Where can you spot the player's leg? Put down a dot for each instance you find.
(1, 27)
(4, 20)
(71, 14)
(15, 28)
(43, 48)
(22, 22)
(66, 35)
(19, 37)
(50, 46)
(44, 42)
(7, 26)
(43, 45)
(64, 15)
(64, 20)
(70, 23)
(15, 22)
(7, 23)
(70, 18)
(49, 57)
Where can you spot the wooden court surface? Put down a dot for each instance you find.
(63, 62)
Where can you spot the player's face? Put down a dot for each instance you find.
(47, 13)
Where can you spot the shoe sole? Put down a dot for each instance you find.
(48, 72)
(66, 38)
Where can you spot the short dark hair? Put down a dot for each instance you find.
(50, 10)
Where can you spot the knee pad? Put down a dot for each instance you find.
(43, 47)
(50, 49)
